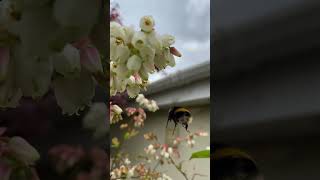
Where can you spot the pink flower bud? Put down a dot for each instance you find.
(89, 55)
(175, 52)
(90, 59)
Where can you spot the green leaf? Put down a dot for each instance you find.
(200, 154)
(127, 136)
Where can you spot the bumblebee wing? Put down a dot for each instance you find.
(168, 122)
(170, 115)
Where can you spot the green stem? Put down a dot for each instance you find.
(178, 168)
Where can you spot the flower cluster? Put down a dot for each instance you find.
(190, 139)
(138, 116)
(160, 152)
(17, 157)
(67, 157)
(114, 12)
(96, 119)
(151, 105)
(115, 113)
(123, 171)
(139, 171)
(163, 152)
(136, 54)
(45, 44)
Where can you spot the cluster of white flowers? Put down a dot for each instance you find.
(136, 54)
(96, 119)
(123, 172)
(150, 149)
(151, 105)
(164, 151)
(164, 177)
(115, 114)
(44, 44)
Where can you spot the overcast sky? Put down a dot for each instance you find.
(187, 20)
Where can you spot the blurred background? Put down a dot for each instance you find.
(42, 124)
(266, 83)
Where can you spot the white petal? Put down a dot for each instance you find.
(169, 58)
(95, 119)
(134, 63)
(36, 30)
(155, 41)
(139, 40)
(74, 94)
(24, 150)
(133, 91)
(33, 74)
(167, 40)
(67, 62)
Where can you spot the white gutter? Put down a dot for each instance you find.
(180, 78)
(188, 87)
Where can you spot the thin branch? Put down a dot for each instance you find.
(197, 174)
(178, 168)
(155, 167)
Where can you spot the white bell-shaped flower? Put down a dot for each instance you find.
(33, 74)
(23, 150)
(67, 62)
(36, 30)
(133, 91)
(167, 40)
(74, 94)
(95, 119)
(139, 40)
(147, 23)
(155, 41)
(134, 63)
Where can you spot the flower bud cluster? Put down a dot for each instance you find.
(151, 105)
(16, 152)
(115, 113)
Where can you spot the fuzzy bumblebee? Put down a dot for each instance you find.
(179, 115)
(233, 164)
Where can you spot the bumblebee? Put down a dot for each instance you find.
(232, 163)
(179, 115)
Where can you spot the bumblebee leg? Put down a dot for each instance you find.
(167, 122)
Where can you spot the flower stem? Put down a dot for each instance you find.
(178, 168)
